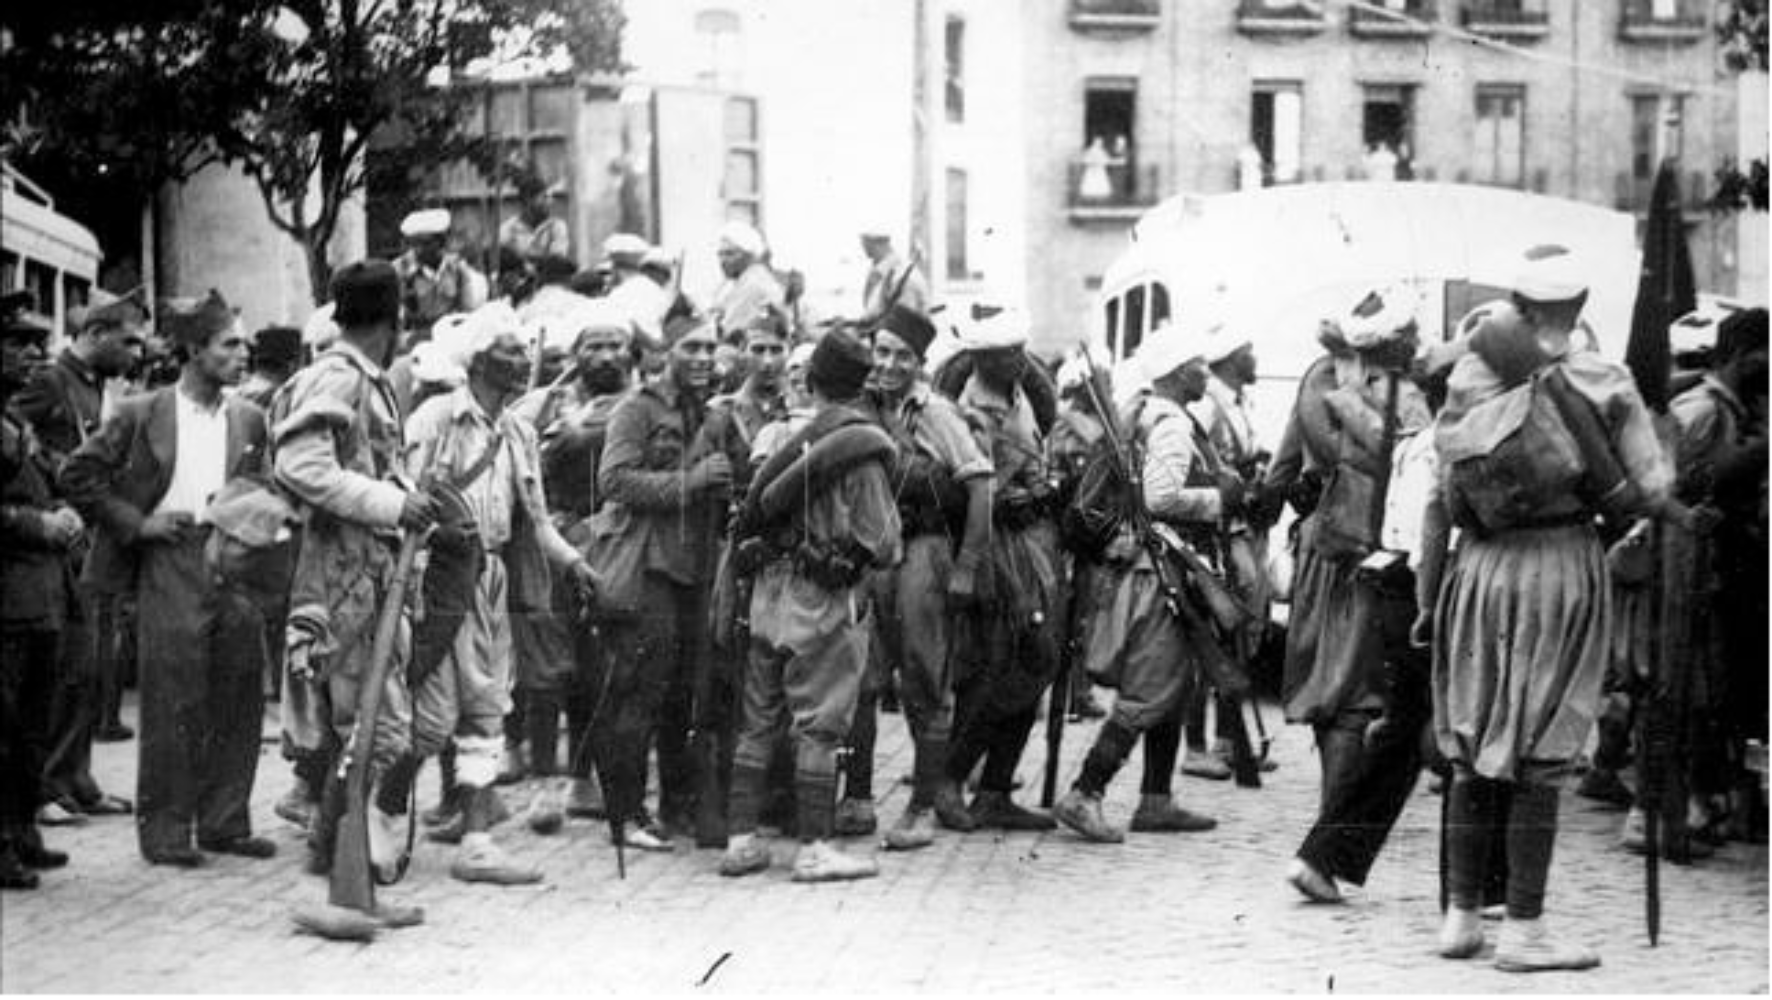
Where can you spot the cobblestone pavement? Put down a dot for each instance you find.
(974, 914)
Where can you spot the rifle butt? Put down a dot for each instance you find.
(350, 883)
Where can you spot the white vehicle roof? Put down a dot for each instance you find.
(1276, 261)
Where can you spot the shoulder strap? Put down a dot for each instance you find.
(1381, 486)
(469, 476)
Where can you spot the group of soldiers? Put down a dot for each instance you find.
(702, 537)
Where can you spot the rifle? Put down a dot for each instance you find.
(1057, 705)
(351, 885)
(893, 294)
(1164, 549)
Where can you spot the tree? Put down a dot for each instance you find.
(291, 92)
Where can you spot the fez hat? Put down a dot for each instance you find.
(910, 326)
(366, 293)
(840, 365)
(276, 345)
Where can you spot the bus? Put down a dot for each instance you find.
(44, 252)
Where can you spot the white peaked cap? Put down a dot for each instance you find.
(1550, 273)
(428, 222)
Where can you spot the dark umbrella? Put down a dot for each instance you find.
(1664, 293)
(1664, 289)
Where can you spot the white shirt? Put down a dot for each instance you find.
(200, 463)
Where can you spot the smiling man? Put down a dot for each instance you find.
(942, 485)
(146, 480)
(666, 492)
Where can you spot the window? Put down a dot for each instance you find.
(742, 186)
(717, 31)
(1387, 124)
(1501, 135)
(1655, 132)
(954, 68)
(957, 268)
(1159, 305)
(1110, 112)
(1134, 321)
(1276, 130)
(8, 270)
(1112, 329)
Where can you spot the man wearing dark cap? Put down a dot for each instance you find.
(276, 354)
(338, 443)
(36, 531)
(943, 488)
(65, 403)
(665, 491)
(818, 518)
(146, 480)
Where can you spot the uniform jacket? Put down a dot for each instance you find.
(120, 474)
(654, 438)
(32, 591)
(63, 403)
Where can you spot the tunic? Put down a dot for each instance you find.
(1522, 630)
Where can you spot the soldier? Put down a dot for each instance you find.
(1224, 414)
(1006, 652)
(146, 481)
(338, 443)
(891, 280)
(434, 280)
(665, 493)
(65, 403)
(942, 483)
(735, 421)
(638, 293)
(1153, 656)
(37, 529)
(554, 654)
(751, 290)
(469, 440)
(818, 517)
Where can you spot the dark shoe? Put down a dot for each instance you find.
(243, 847)
(951, 811)
(1160, 814)
(1604, 786)
(855, 818)
(995, 810)
(1087, 708)
(38, 856)
(116, 732)
(107, 805)
(175, 857)
(14, 874)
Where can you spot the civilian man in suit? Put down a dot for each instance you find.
(146, 479)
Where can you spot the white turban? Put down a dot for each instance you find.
(1006, 327)
(1221, 343)
(1170, 346)
(742, 236)
(320, 330)
(1380, 315)
(560, 330)
(483, 327)
(428, 222)
(1550, 274)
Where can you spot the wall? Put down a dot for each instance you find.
(213, 233)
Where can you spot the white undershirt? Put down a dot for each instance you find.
(200, 464)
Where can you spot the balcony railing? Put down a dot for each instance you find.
(1126, 190)
(1275, 17)
(1115, 15)
(1414, 20)
(1632, 193)
(1643, 22)
(1504, 19)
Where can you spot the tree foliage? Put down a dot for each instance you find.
(291, 92)
(1741, 29)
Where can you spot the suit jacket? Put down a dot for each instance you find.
(62, 403)
(117, 478)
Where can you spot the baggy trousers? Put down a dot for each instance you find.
(27, 677)
(201, 664)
